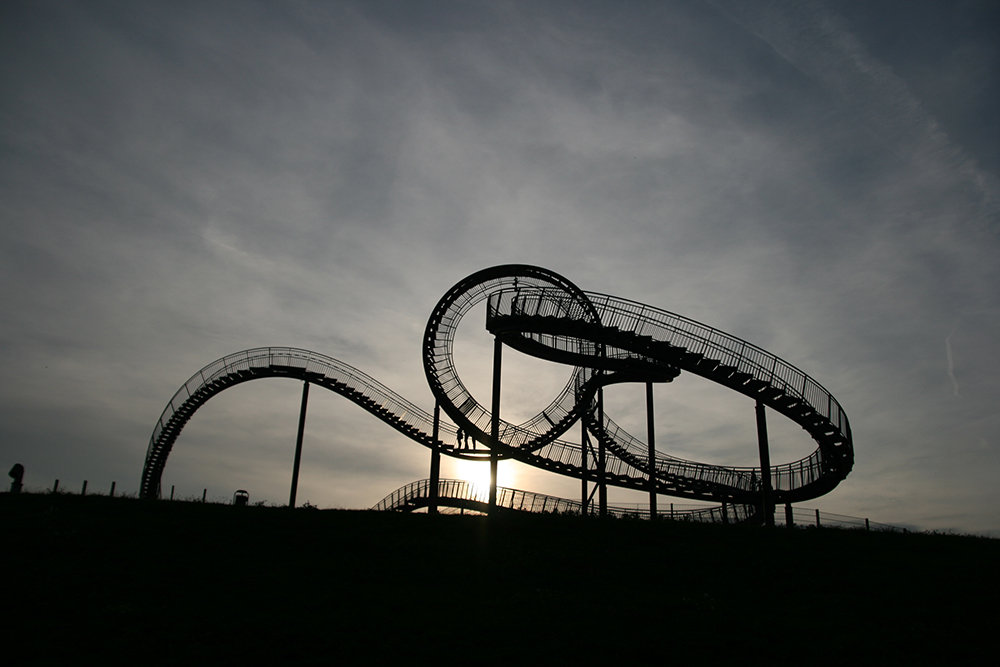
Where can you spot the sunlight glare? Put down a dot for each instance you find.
(478, 473)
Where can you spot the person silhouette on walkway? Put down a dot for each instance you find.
(460, 439)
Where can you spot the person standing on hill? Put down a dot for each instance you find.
(17, 474)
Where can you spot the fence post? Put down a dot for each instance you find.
(817, 519)
(205, 493)
(83, 492)
(867, 526)
(55, 487)
(171, 491)
(789, 517)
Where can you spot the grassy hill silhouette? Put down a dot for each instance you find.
(118, 579)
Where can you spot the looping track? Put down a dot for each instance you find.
(606, 340)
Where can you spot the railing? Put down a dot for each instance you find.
(418, 493)
(803, 517)
(529, 291)
(676, 330)
(306, 362)
(277, 361)
(687, 336)
(526, 501)
(728, 350)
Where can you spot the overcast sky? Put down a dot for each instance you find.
(181, 181)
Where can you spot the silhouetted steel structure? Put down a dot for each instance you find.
(464, 495)
(606, 340)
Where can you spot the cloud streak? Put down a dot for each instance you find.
(951, 361)
(180, 181)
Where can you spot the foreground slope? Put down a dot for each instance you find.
(156, 581)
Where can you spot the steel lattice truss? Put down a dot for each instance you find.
(606, 340)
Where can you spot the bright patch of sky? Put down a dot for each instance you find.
(182, 180)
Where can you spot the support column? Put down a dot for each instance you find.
(602, 486)
(298, 443)
(789, 517)
(765, 467)
(584, 446)
(651, 437)
(432, 507)
(495, 425)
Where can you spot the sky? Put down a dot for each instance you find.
(180, 181)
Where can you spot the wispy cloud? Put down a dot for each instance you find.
(951, 361)
(182, 181)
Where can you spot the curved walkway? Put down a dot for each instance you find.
(606, 340)
(464, 495)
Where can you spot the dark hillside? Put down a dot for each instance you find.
(116, 580)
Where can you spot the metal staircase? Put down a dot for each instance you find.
(606, 340)
(287, 362)
(463, 495)
(634, 341)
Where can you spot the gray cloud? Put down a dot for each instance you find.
(182, 181)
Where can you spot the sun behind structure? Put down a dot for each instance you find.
(478, 473)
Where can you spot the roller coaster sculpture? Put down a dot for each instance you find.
(606, 340)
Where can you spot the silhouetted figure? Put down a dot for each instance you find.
(17, 474)
(461, 438)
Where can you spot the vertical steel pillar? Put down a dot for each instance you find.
(789, 516)
(651, 437)
(298, 444)
(495, 425)
(602, 487)
(584, 446)
(765, 466)
(432, 508)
